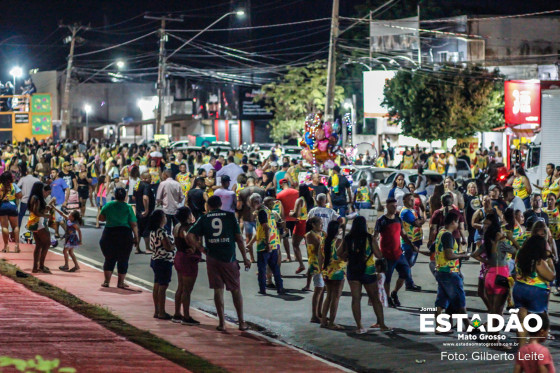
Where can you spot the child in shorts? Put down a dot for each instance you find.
(72, 239)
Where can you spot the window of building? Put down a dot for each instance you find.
(369, 127)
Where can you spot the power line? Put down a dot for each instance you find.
(256, 27)
(117, 45)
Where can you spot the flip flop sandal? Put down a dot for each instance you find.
(5, 250)
(220, 328)
(105, 284)
(123, 286)
(243, 328)
(45, 270)
(64, 268)
(361, 331)
(17, 250)
(74, 269)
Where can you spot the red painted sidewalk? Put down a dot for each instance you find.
(235, 351)
(31, 325)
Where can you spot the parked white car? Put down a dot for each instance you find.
(373, 176)
(381, 192)
(294, 152)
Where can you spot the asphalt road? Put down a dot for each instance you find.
(286, 318)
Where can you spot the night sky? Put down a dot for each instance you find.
(30, 37)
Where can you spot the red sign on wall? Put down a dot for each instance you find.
(522, 102)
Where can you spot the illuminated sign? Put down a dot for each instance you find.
(522, 102)
(374, 83)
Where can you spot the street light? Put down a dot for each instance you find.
(87, 109)
(16, 72)
(163, 61)
(120, 65)
(238, 12)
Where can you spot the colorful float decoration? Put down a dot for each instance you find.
(321, 142)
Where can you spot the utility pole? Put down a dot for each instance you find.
(331, 67)
(65, 112)
(160, 113)
(370, 41)
(418, 41)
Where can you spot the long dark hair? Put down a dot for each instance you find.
(135, 172)
(435, 199)
(37, 192)
(395, 180)
(307, 197)
(332, 232)
(356, 241)
(183, 214)
(533, 250)
(520, 171)
(489, 236)
(155, 220)
(509, 217)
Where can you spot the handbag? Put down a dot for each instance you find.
(502, 281)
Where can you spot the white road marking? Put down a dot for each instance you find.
(92, 263)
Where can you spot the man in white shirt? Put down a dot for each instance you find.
(514, 202)
(210, 165)
(229, 200)
(232, 170)
(25, 184)
(452, 166)
(170, 197)
(326, 214)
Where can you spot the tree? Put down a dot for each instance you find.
(301, 91)
(449, 103)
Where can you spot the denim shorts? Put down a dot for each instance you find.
(318, 281)
(362, 205)
(162, 271)
(101, 201)
(341, 209)
(450, 293)
(402, 267)
(250, 227)
(533, 298)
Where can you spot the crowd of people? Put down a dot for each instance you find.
(186, 206)
(445, 162)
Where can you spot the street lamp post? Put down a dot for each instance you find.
(16, 72)
(120, 65)
(87, 109)
(163, 61)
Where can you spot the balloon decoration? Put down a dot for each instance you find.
(320, 141)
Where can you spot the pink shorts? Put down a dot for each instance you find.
(222, 273)
(490, 280)
(187, 264)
